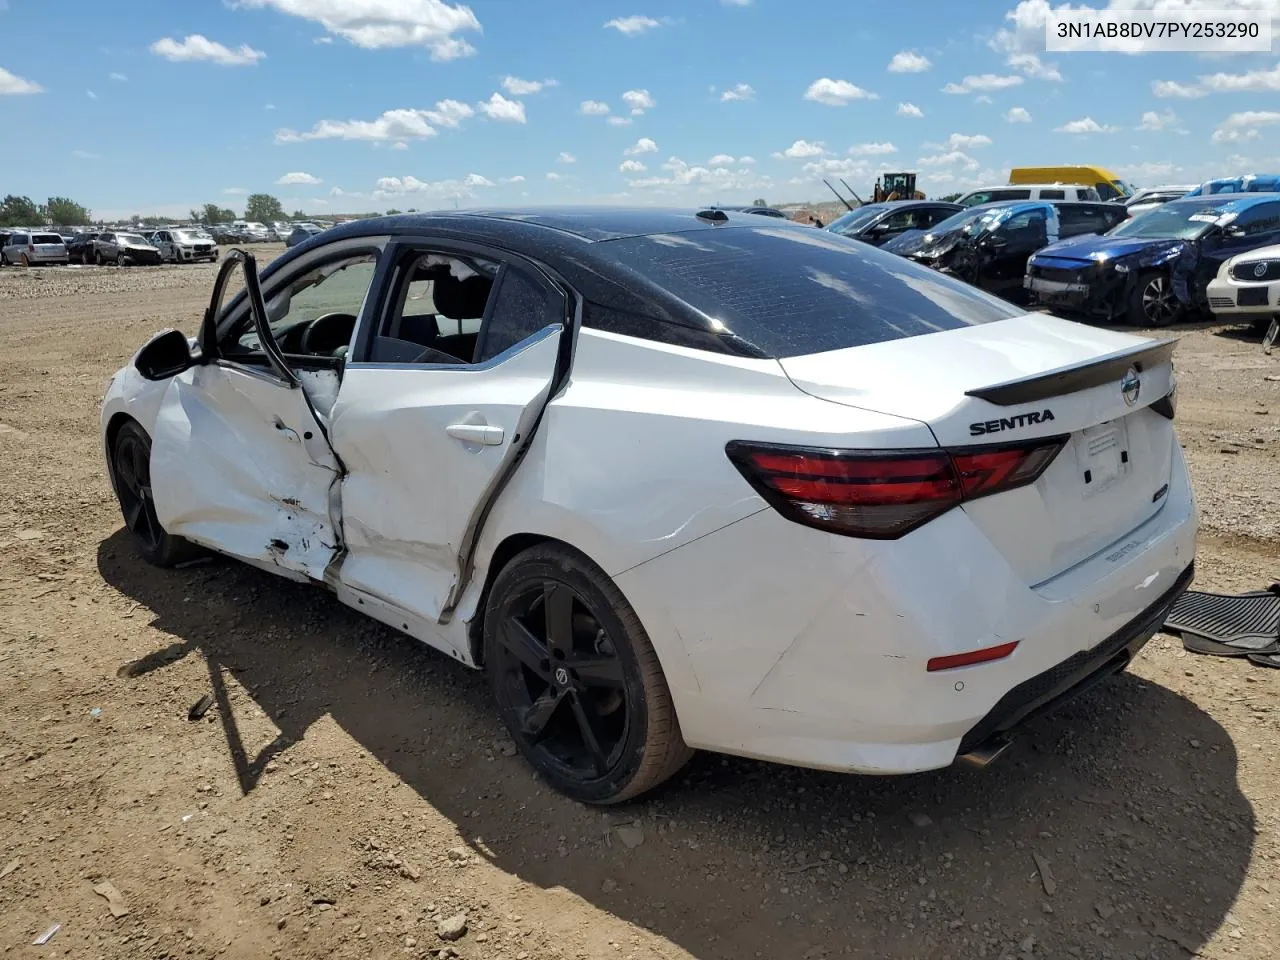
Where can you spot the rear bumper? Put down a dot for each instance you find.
(787, 644)
(1073, 676)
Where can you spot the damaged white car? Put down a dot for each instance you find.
(676, 480)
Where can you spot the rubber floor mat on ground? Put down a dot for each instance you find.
(1250, 621)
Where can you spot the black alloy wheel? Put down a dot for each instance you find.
(576, 681)
(131, 470)
(1155, 304)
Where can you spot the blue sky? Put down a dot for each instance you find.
(157, 106)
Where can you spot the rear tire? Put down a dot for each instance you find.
(576, 680)
(131, 476)
(1152, 302)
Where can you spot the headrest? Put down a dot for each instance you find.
(460, 299)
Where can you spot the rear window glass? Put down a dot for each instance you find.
(791, 291)
(47, 238)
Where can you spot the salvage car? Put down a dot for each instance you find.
(1151, 270)
(1247, 287)
(1250, 183)
(80, 249)
(33, 248)
(876, 223)
(300, 233)
(1030, 191)
(179, 245)
(675, 480)
(124, 249)
(988, 246)
(1148, 198)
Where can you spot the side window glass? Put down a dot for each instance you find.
(1053, 195)
(438, 308)
(314, 314)
(521, 309)
(1261, 219)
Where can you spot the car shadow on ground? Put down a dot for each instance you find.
(1126, 799)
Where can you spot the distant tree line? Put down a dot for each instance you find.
(59, 211)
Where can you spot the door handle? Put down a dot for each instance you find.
(485, 434)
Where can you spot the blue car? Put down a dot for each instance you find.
(1251, 183)
(1152, 269)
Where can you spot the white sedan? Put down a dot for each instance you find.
(1247, 287)
(676, 480)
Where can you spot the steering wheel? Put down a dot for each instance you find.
(326, 333)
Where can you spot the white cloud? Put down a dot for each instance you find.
(91, 95)
(518, 178)
(387, 188)
(118, 77)
(593, 108)
(1149, 171)
(196, 47)
(377, 24)
(552, 175)
(632, 166)
(833, 166)
(235, 191)
(802, 149)
(746, 161)
(961, 141)
(740, 91)
(1254, 81)
(952, 158)
(402, 124)
(566, 157)
(86, 155)
(619, 121)
(681, 174)
(399, 145)
(1030, 65)
(268, 106)
(639, 101)
(720, 160)
(1171, 88)
(983, 81)
(521, 88)
(836, 93)
(909, 110)
(1158, 121)
(323, 41)
(1244, 125)
(1018, 115)
(498, 107)
(983, 98)
(871, 149)
(294, 179)
(643, 145)
(908, 61)
(1085, 125)
(736, 3)
(632, 26)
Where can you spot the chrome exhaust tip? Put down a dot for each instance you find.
(986, 753)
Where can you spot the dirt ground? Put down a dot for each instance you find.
(350, 790)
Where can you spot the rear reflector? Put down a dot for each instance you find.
(985, 655)
(882, 495)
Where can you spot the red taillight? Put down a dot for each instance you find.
(883, 495)
(985, 655)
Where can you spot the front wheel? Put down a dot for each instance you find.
(1152, 302)
(131, 471)
(577, 681)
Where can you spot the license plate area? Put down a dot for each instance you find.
(1252, 296)
(1102, 454)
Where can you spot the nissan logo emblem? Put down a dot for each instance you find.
(1260, 269)
(1130, 386)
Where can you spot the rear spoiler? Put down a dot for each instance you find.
(1108, 368)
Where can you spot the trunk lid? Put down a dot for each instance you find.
(1015, 380)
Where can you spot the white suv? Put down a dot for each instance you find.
(185, 246)
(1028, 191)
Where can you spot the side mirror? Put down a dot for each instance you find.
(1233, 232)
(995, 241)
(880, 229)
(167, 355)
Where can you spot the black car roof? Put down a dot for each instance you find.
(591, 224)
